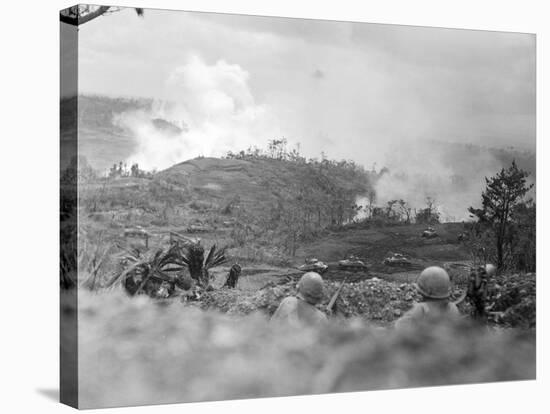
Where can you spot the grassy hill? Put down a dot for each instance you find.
(231, 201)
(255, 182)
(212, 191)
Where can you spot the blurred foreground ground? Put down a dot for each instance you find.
(135, 351)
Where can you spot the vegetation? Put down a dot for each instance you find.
(83, 13)
(147, 272)
(428, 215)
(121, 170)
(322, 195)
(158, 271)
(508, 218)
(198, 265)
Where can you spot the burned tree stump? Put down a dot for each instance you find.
(233, 276)
(477, 293)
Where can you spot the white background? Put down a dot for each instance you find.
(29, 152)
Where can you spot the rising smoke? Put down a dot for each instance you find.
(214, 109)
(451, 174)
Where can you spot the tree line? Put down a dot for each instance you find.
(321, 194)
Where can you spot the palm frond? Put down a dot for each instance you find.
(122, 275)
(210, 255)
(218, 259)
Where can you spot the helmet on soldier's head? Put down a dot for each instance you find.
(434, 283)
(310, 287)
(490, 269)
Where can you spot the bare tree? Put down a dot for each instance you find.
(371, 198)
(83, 13)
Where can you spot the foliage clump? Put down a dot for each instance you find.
(507, 220)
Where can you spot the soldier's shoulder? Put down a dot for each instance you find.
(418, 309)
(453, 308)
(289, 301)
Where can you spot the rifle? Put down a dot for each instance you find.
(332, 301)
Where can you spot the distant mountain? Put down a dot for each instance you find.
(460, 156)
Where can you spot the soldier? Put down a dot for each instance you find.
(477, 292)
(434, 285)
(300, 309)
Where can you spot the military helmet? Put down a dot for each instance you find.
(434, 283)
(490, 269)
(310, 287)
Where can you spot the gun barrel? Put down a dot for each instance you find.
(335, 296)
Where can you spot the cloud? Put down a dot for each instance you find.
(213, 102)
(387, 83)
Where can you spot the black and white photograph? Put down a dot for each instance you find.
(258, 207)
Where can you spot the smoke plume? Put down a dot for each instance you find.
(211, 107)
(451, 174)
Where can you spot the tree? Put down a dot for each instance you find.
(83, 13)
(397, 211)
(371, 198)
(523, 245)
(428, 215)
(502, 197)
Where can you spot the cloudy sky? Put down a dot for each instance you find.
(349, 89)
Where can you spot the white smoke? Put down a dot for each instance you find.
(215, 109)
(422, 169)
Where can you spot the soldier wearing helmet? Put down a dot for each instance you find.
(434, 285)
(478, 290)
(300, 310)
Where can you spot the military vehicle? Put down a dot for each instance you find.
(429, 233)
(397, 259)
(313, 265)
(352, 263)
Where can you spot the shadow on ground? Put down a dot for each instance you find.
(51, 394)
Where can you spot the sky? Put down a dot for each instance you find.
(352, 90)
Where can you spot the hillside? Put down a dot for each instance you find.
(239, 199)
(255, 182)
(234, 203)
